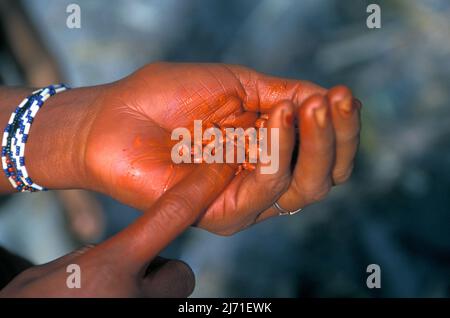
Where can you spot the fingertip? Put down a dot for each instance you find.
(346, 122)
(280, 144)
(188, 276)
(282, 115)
(316, 104)
(338, 93)
(180, 274)
(168, 278)
(287, 114)
(172, 214)
(321, 115)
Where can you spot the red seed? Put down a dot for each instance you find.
(248, 166)
(238, 170)
(260, 123)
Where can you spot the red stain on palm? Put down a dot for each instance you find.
(221, 99)
(137, 142)
(276, 90)
(260, 122)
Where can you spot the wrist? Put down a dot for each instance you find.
(58, 139)
(54, 150)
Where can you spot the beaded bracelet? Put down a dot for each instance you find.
(15, 137)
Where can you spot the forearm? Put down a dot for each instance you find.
(54, 150)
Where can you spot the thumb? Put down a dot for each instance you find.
(62, 261)
(167, 278)
(173, 213)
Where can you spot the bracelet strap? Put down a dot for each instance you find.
(15, 137)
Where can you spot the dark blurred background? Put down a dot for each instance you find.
(394, 212)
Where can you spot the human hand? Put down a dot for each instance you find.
(125, 265)
(116, 138)
(128, 148)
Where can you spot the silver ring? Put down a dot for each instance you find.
(282, 211)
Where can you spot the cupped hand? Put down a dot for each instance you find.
(126, 265)
(127, 153)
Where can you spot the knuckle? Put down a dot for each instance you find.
(214, 176)
(308, 88)
(177, 205)
(274, 184)
(316, 194)
(320, 148)
(349, 137)
(342, 175)
(279, 186)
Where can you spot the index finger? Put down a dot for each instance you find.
(173, 213)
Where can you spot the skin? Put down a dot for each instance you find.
(116, 140)
(107, 272)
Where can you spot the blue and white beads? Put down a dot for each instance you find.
(15, 137)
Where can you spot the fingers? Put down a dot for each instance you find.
(312, 174)
(273, 170)
(262, 91)
(277, 146)
(173, 213)
(168, 278)
(345, 113)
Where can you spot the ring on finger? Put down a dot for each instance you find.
(282, 211)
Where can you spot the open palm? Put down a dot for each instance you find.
(128, 148)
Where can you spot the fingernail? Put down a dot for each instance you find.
(288, 118)
(321, 116)
(346, 106)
